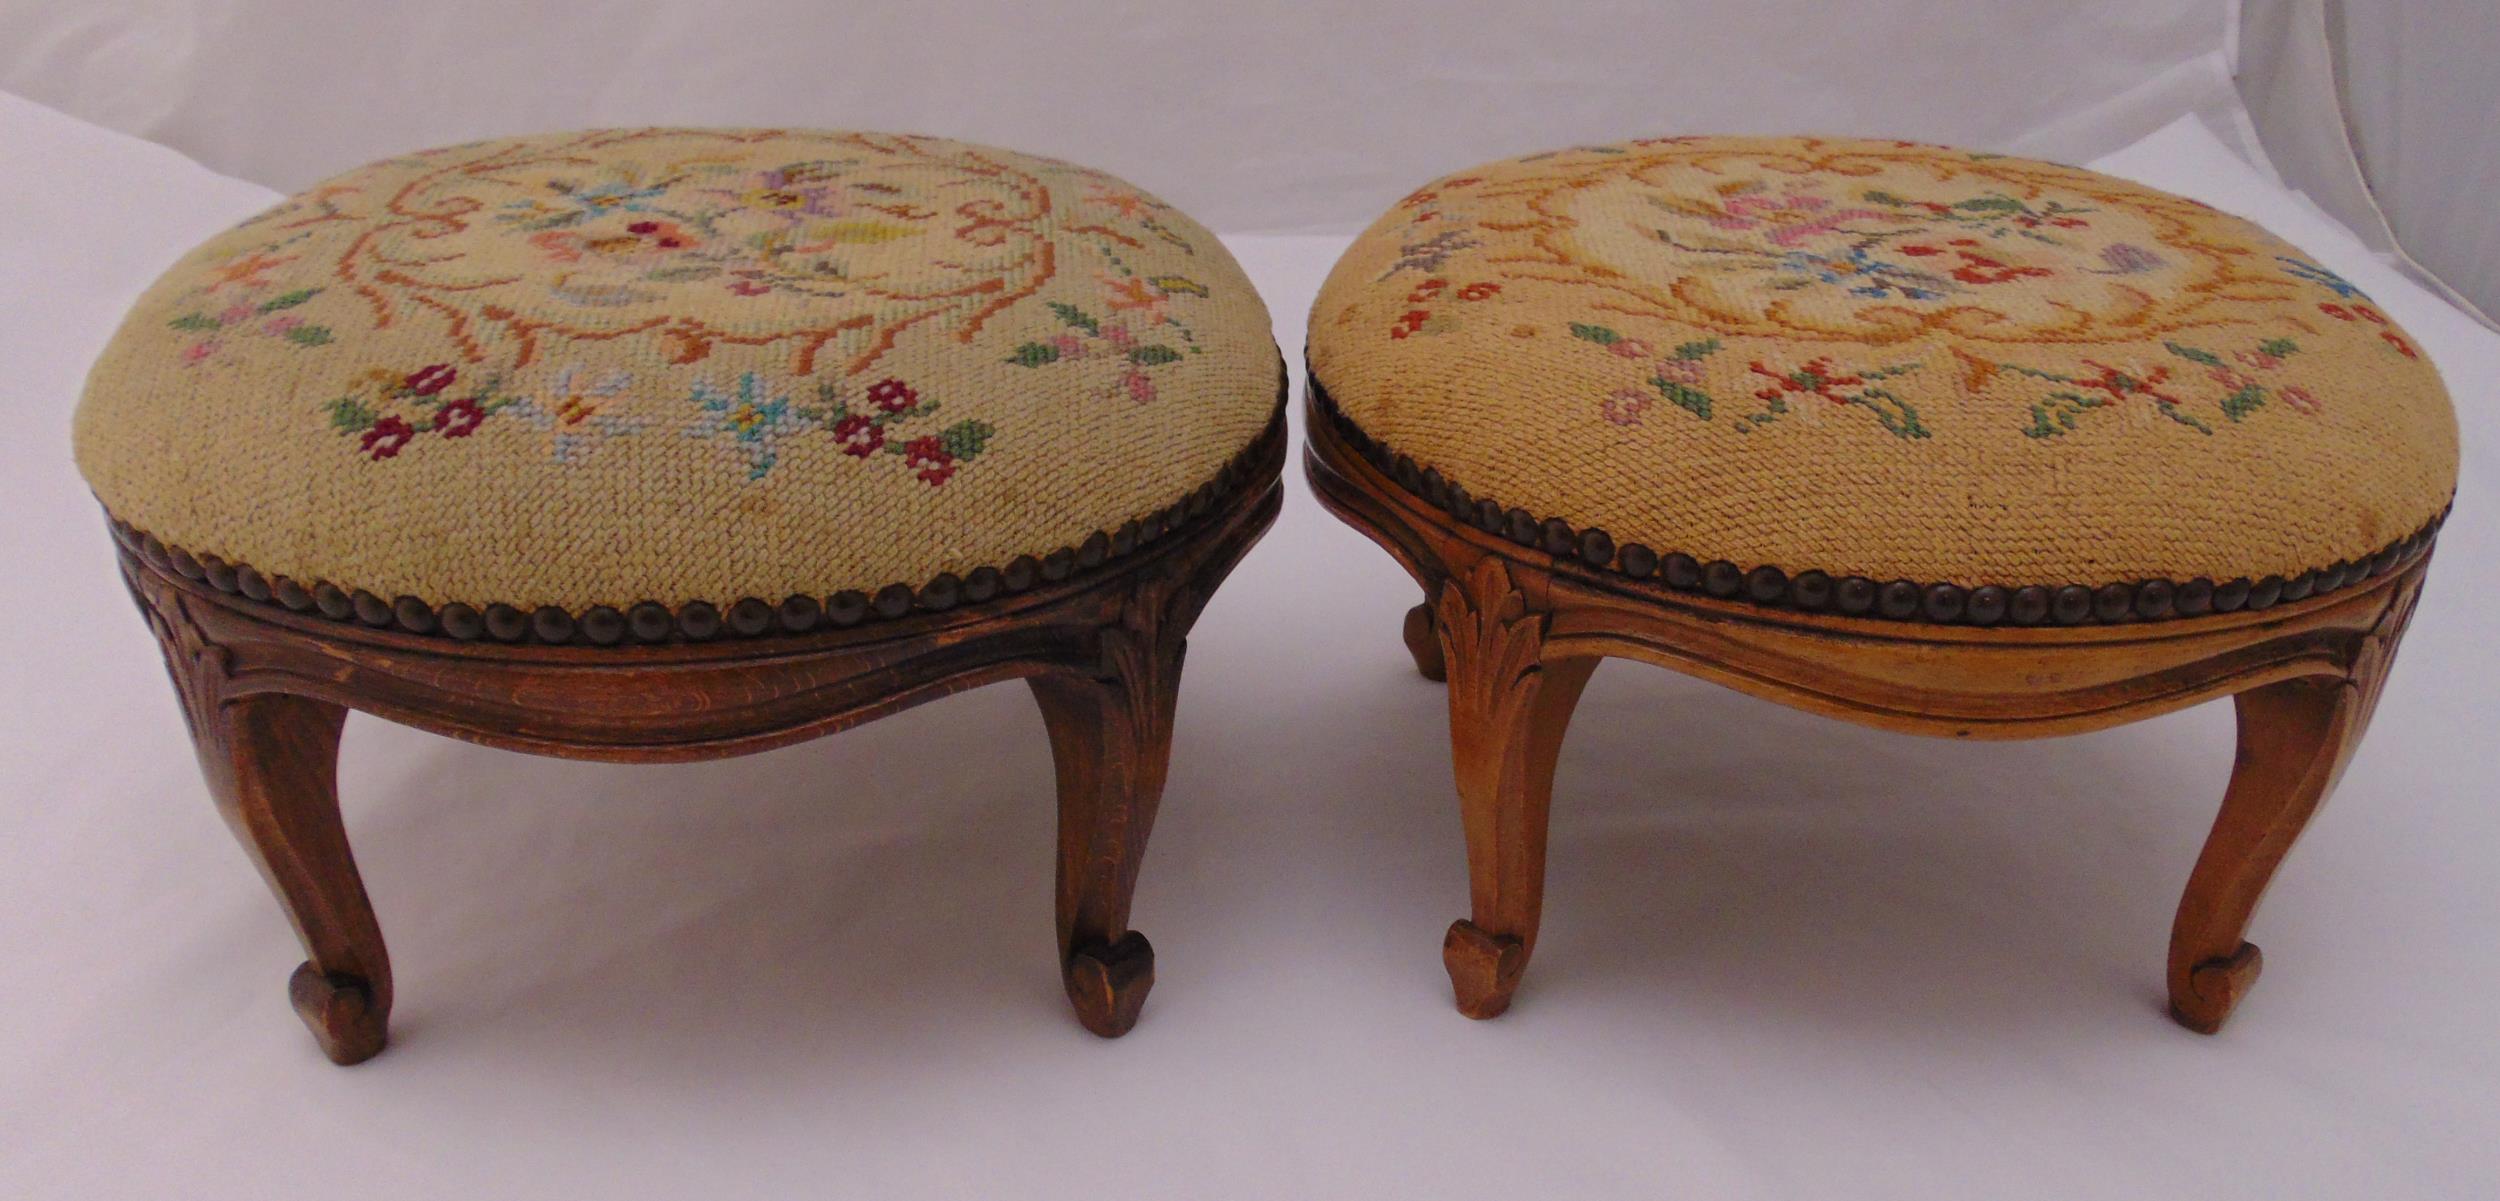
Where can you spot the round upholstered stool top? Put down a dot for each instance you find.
(1875, 362)
(678, 366)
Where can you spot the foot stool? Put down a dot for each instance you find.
(1931, 440)
(670, 444)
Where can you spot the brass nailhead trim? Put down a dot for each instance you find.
(698, 621)
(1857, 596)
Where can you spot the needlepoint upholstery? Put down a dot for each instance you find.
(673, 365)
(1885, 359)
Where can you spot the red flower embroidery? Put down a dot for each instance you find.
(1412, 321)
(2121, 385)
(1980, 269)
(662, 234)
(1920, 250)
(1813, 379)
(2397, 341)
(460, 418)
(1425, 291)
(892, 395)
(2337, 311)
(858, 435)
(387, 436)
(929, 455)
(426, 381)
(1479, 291)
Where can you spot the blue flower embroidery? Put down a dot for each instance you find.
(753, 421)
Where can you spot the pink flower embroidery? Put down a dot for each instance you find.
(1681, 370)
(1792, 217)
(1625, 406)
(2299, 398)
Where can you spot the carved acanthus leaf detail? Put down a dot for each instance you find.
(1491, 642)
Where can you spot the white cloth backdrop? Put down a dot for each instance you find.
(1254, 115)
(1785, 957)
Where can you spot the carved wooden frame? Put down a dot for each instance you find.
(1516, 630)
(265, 692)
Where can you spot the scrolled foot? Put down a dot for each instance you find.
(2215, 987)
(1484, 968)
(1424, 642)
(1108, 984)
(341, 1013)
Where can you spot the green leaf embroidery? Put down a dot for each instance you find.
(1034, 354)
(2057, 414)
(2279, 347)
(2173, 412)
(2243, 402)
(1894, 412)
(349, 415)
(290, 300)
(2194, 355)
(196, 321)
(1697, 350)
(1595, 333)
(1989, 204)
(1685, 397)
(1076, 317)
(966, 439)
(309, 335)
(1154, 356)
(672, 275)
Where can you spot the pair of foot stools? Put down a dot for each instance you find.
(667, 444)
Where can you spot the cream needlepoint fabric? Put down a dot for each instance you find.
(678, 364)
(1885, 359)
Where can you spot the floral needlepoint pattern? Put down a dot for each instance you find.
(238, 301)
(752, 420)
(2231, 388)
(1813, 260)
(1091, 337)
(750, 361)
(385, 411)
(1903, 360)
(1819, 380)
(1425, 320)
(1680, 378)
(578, 412)
(1676, 376)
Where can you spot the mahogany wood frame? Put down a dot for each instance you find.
(265, 692)
(1515, 632)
